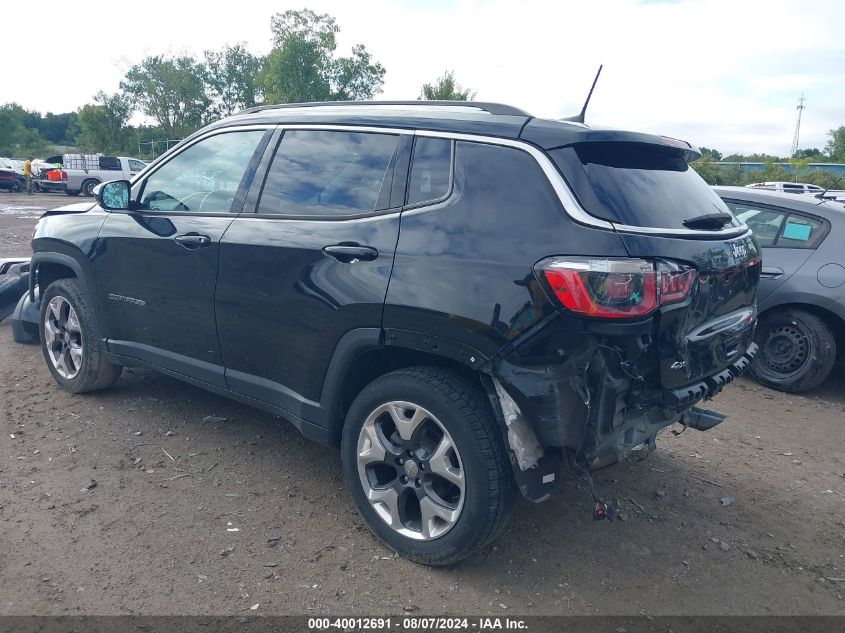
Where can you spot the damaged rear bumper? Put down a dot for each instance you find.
(593, 411)
(711, 385)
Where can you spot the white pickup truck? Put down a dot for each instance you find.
(86, 171)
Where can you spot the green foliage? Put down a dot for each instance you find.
(171, 91)
(16, 138)
(715, 173)
(815, 154)
(835, 147)
(102, 126)
(302, 66)
(446, 89)
(710, 154)
(232, 79)
(356, 77)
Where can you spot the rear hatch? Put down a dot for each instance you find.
(664, 211)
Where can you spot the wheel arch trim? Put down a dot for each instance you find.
(69, 262)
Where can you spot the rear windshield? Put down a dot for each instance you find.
(636, 184)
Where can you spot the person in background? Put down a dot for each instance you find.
(27, 173)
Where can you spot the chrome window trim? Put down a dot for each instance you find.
(571, 205)
(567, 198)
(564, 194)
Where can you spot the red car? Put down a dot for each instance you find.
(11, 180)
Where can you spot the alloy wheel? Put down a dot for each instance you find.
(63, 336)
(411, 470)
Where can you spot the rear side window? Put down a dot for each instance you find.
(328, 173)
(636, 184)
(779, 228)
(764, 223)
(431, 170)
(799, 231)
(111, 163)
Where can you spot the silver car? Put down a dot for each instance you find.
(801, 296)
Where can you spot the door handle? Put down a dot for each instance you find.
(193, 240)
(771, 272)
(349, 253)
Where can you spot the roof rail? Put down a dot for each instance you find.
(490, 108)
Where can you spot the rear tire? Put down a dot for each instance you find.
(797, 351)
(88, 186)
(458, 489)
(71, 346)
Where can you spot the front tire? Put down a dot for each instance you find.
(426, 465)
(69, 342)
(797, 351)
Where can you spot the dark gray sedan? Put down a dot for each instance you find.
(801, 296)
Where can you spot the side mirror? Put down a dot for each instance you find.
(114, 195)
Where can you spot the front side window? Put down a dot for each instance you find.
(431, 169)
(203, 178)
(329, 173)
(764, 223)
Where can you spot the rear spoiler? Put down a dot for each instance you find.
(551, 135)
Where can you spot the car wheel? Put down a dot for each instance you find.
(15, 187)
(88, 187)
(797, 351)
(426, 465)
(69, 342)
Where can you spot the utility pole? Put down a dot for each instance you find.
(800, 109)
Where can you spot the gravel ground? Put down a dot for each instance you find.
(128, 502)
(18, 214)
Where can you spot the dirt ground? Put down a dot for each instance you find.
(128, 502)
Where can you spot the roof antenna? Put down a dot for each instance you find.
(579, 118)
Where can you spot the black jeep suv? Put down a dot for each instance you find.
(465, 299)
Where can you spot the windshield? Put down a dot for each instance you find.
(637, 184)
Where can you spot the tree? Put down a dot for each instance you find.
(170, 90)
(356, 77)
(16, 138)
(232, 79)
(710, 154)
(835, 147)
(302, 66)
(446, 89)
(815, 154)
(102, 125)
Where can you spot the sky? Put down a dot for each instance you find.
(721, 74)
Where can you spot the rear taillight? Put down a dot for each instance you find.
(616, 288)
(675, 281)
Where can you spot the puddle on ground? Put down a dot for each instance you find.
(20, 209)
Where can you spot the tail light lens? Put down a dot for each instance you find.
(675, 281)
(616, 288)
